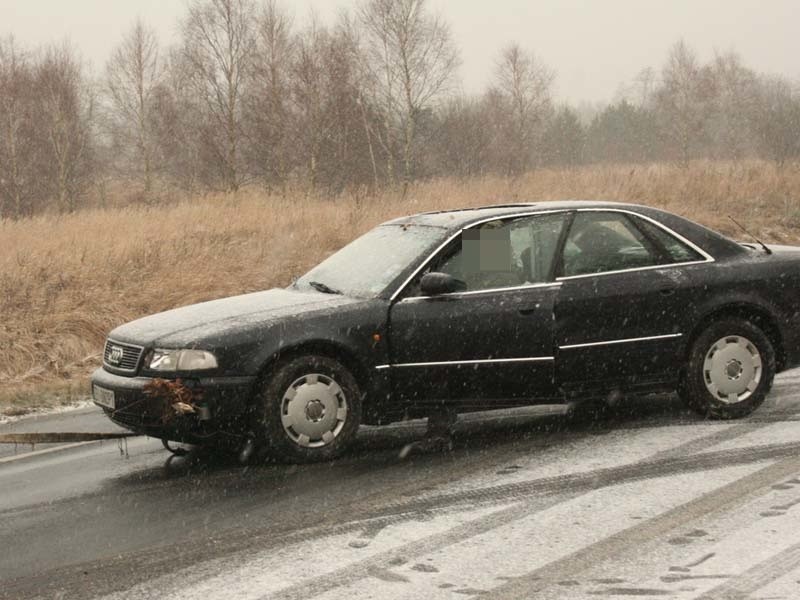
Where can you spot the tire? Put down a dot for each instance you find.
(310, 409)
(730, 371)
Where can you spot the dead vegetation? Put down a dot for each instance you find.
(175, 398)
(65, 281)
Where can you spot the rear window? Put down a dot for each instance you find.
(677, 250)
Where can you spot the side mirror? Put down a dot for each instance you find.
(435, 284)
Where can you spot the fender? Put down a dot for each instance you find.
(359, 343)
(746, 304)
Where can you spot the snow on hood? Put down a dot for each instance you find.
(190, 324)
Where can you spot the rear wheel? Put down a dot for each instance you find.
(311, 409)
(730, 370)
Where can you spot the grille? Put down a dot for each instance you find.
(125, 356)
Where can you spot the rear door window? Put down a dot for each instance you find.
(600, 242)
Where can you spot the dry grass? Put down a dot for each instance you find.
(66, 281)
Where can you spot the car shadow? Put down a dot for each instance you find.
(535, 426)
(478, 431)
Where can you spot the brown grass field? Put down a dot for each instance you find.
(65, 281)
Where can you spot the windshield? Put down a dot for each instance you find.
(368, 264)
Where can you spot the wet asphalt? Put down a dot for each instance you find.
(116, 518)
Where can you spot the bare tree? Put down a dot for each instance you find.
(175, 133)
(411, 62)
(776, 120)
(218, 45)
(639, 91)
(348, 142)
(461, 145)
(735, 94)
(625, 133)
(683, 101)
(133, 75)
(65, 112)
(522, 98)
(309, 96)
(349, 33)
(564, 139)
(18, 151)
(267, 110)
(331, 147)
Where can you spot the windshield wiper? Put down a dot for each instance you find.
(325, 289)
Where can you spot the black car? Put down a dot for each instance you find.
(466, 310)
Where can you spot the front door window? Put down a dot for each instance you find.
(504, 253)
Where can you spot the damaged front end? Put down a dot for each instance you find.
(201, 411)
(177, 399)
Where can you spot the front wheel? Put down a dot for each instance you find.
(730, 370)
(310, 409)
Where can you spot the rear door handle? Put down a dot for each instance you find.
(528, 310)
(668, 291)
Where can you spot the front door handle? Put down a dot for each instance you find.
(668, 291)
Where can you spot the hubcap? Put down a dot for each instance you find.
(732, 369)
(313, 410)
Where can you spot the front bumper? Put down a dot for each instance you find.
(226, 401)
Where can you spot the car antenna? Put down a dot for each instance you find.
(762, 244)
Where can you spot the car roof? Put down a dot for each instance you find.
(462, 217)
(454, 220)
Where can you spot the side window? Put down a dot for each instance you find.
(676, 250)
(503, 253)
(599, 242)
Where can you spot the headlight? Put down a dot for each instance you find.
(182, 360)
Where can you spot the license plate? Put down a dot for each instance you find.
(104, 397)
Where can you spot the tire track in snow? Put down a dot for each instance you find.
(627, 542)
(756, 577)
(646, 469)
(562, 489)
(682, 450)
(718, 437)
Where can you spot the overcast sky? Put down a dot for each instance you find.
(593, 45)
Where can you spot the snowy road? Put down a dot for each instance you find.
(649, 502)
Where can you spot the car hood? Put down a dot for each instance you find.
(189, 326)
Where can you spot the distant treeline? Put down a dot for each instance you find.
(245, 97)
